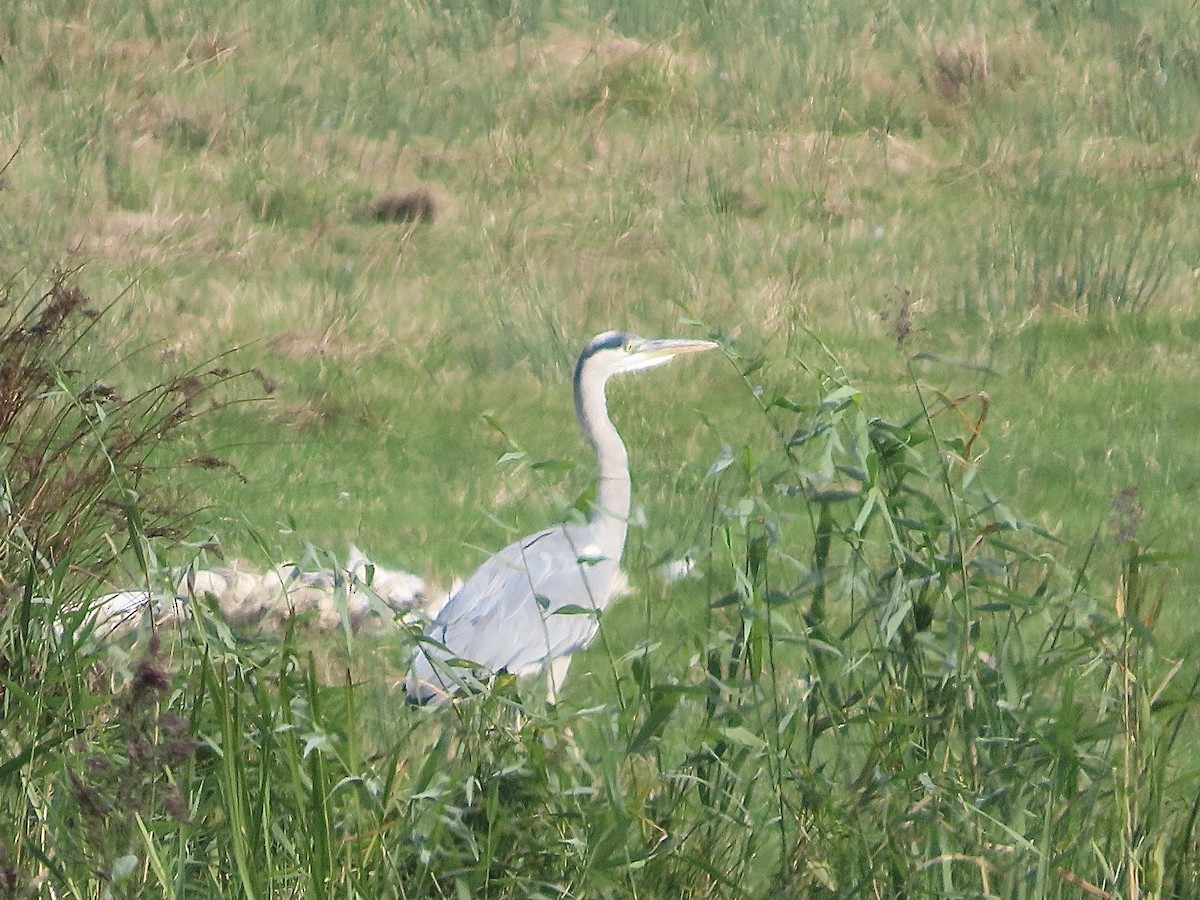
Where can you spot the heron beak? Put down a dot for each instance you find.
(668, 348)
(649, 354)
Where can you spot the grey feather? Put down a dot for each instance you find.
(535, 601)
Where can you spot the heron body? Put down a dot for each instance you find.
(533, 604)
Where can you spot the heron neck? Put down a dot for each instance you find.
(610, 518)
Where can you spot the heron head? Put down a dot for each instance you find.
(614, 352)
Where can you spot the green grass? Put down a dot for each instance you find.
(915, 201)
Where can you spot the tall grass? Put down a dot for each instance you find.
(892, 689)
(1059, 246)
(87, 493)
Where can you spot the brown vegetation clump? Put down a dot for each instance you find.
(417, 205)
(958, 68)
(81, 482)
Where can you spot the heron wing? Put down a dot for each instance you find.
(536, 600)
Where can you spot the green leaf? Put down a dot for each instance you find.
(803, 435)
(662, 707)
(788, 404)
(729, 599)
(838, 399)
(552, 465)
(743, 737)
(573, 609)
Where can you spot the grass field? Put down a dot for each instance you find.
(942, 488)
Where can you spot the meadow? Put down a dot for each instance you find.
(281, 279)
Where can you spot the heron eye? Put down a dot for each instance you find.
(631, 347)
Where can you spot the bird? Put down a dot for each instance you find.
(536, 602)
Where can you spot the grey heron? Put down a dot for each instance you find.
(533, 604)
